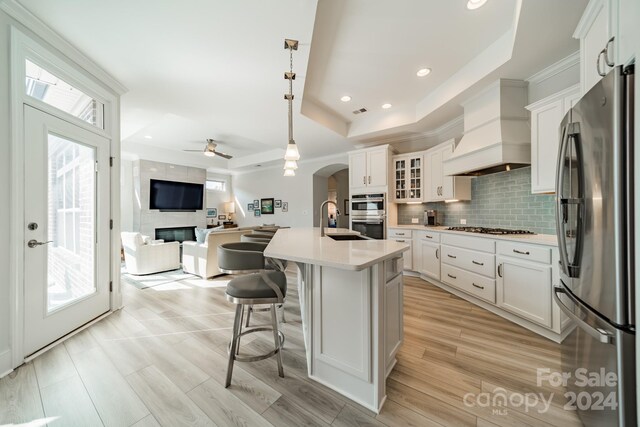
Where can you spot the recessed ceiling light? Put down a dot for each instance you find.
(386, 106)
(475, 4)
(148, 137)
(423, 72)
(345, 98)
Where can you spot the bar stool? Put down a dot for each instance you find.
(264, 287)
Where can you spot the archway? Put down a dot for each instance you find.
(331, 183)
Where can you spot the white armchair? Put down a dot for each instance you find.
(201, 259)
(141, 257)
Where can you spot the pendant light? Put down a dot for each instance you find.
(291, 155)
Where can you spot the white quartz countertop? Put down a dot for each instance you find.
(540, 239)
(305, 245)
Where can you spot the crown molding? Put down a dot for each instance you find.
(588, 16)
(555, 68)
(38, 27)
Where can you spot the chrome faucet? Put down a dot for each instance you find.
(326, 202)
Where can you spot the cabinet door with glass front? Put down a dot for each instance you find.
(407, 180)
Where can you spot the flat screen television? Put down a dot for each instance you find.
(175, 196)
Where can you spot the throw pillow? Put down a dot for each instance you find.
(201, 234)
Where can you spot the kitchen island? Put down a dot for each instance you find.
(351, 306)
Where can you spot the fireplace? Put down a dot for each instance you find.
(176, 234)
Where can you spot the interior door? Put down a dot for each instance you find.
(66, 247)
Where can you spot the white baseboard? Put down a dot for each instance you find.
(5, 363)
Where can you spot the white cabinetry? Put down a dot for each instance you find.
(430, 263)
(602, 20)
(525, 281)
(403, 236)
(393, 320)
(407, 178)
(439, 187)
(369, 169)
(546, 116)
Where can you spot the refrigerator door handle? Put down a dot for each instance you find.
(561, 209)
(597, 333)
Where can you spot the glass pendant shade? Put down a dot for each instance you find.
(290, 164)
(292, 152)
(289, 172)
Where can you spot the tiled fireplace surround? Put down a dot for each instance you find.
(498, 200)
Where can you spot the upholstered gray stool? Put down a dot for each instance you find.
(266, 287)
(255, 237)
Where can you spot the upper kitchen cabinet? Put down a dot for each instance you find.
(369, 169)
(407, 181)
(438, 186)
(546, 116)
(607, 32)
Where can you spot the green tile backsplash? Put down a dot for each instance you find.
(499, 200)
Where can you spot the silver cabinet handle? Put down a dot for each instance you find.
(477, 263)
(500, 270)
(438, 253)
(521, 252)
(34, 243)
(400, 234)
(364, 180)
(607, 61)
(477, 286)
(401, 241)
(600, 73)
(452, 256)
(369, 179)
(600, 334)
(453, 277)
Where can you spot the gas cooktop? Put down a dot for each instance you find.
(485, 230)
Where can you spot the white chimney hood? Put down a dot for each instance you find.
(497, 136)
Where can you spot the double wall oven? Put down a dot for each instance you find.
(368, 215)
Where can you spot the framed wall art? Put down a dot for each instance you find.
(278, 204)
(285, 206)
(266, 206)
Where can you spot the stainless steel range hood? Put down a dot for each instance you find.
(497, 136)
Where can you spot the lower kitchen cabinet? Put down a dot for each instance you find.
(430, 259)
(523, 288)
(393, 320)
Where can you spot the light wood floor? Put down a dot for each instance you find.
(162, 359)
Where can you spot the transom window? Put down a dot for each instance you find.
(46, 87)
(216, 185)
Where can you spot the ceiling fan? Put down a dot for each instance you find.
(210, 150)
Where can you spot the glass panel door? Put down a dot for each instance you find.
(67, 234)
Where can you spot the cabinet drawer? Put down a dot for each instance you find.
(476, 262)
(400, 233)
(523, 251)
(474, 284)
(467, 242)
(429, 236)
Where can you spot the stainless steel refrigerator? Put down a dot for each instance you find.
(595, 237)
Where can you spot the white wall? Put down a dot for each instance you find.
(127, 194)
(297, 191)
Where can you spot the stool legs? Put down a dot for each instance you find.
(276, 340)
(234, 342)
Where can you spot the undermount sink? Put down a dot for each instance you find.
(347, 237)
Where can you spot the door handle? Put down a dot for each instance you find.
(477, 286)
(600, 334)
(521, 252)
(438, 253)
(602, 53)
(500, 270)
(364, 180)
(34, 243)
(452, 256)
(453, 277)
(607, 61)
(369, 179)
(477, 263)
